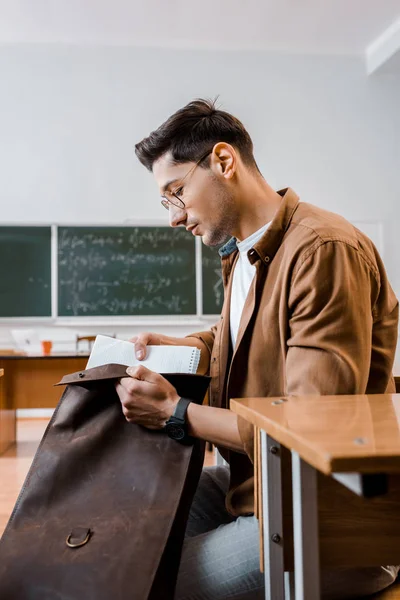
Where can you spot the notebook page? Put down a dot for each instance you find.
(171, 359)
(161, 359)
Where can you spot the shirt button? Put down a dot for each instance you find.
(267, 259)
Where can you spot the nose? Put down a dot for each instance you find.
(177, 216)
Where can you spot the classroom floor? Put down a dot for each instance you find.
(15, 463)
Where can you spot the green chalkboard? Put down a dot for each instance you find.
(213, 289)
(106, 271)
(25, 272)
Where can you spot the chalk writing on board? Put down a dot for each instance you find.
(216, 273)
(126, 271)
(213, 289)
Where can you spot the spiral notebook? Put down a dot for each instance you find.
(161, 359)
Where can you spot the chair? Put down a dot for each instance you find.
(85, 338)
(89, 339)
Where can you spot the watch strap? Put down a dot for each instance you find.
(181, 410)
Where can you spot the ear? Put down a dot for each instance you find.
(224, 160)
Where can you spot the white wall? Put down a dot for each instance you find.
(69, 118)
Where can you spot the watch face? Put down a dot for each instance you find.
(176, 432)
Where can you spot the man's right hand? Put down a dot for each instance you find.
(142, 340)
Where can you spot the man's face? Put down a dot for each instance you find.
(209, 209)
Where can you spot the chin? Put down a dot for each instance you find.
(210, 241)
(205, 239)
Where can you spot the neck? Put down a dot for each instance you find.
(256, 205)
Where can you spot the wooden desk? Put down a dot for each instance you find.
(30, 378)
(345, 478)
(7, 419)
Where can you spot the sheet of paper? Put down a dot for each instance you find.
(27, 340)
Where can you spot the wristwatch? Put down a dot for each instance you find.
(176, 426)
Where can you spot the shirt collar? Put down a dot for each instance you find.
(245, 245)
(267, 246)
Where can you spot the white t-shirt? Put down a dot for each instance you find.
(242, 277)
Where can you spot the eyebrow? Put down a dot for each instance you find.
(166, 186)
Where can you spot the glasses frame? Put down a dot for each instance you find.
(178, 202)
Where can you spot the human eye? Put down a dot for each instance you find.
(179, 191)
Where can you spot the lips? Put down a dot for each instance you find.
(191, 228)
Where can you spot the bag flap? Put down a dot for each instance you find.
(188, 385)
(111, 371)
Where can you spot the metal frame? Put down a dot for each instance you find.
(289, 585)
(304, 584)
(271, 487)
(305, 530)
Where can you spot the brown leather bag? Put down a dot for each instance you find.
(103, 509)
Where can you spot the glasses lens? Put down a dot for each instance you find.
(176, 201)
(165, 203)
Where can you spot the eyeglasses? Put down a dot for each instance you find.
(174, 197)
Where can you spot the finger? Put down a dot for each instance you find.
(118, 386)
(125, 395)
(142, 373)
(130, 385)
(132, 390)
(141, 343)
(122, 384)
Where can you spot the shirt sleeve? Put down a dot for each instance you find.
(207, 337)
(331, 303)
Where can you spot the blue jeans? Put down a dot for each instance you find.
(220, 558)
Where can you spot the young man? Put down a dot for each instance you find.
(308, 310)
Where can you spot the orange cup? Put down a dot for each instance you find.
(46, 347)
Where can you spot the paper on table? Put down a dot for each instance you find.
(161, 359)
(27, 340)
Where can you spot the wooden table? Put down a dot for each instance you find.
(7, 418)
(30, 378)
(340, 455)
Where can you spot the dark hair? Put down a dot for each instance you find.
(193, 131)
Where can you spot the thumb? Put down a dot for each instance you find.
(141, 342)
(142, 373)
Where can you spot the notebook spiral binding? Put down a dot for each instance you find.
(194, 360)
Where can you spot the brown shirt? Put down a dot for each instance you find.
(320, 318)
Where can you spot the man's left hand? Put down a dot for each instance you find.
(147, 398)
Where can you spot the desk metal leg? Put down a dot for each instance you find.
(305, 530)
(272, 517)
(289, 585)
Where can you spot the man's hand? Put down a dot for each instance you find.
(145, 339)
(147, 398)
(142, 340)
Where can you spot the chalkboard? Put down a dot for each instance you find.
(213, 289)
(25, 271)
(105, 271)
